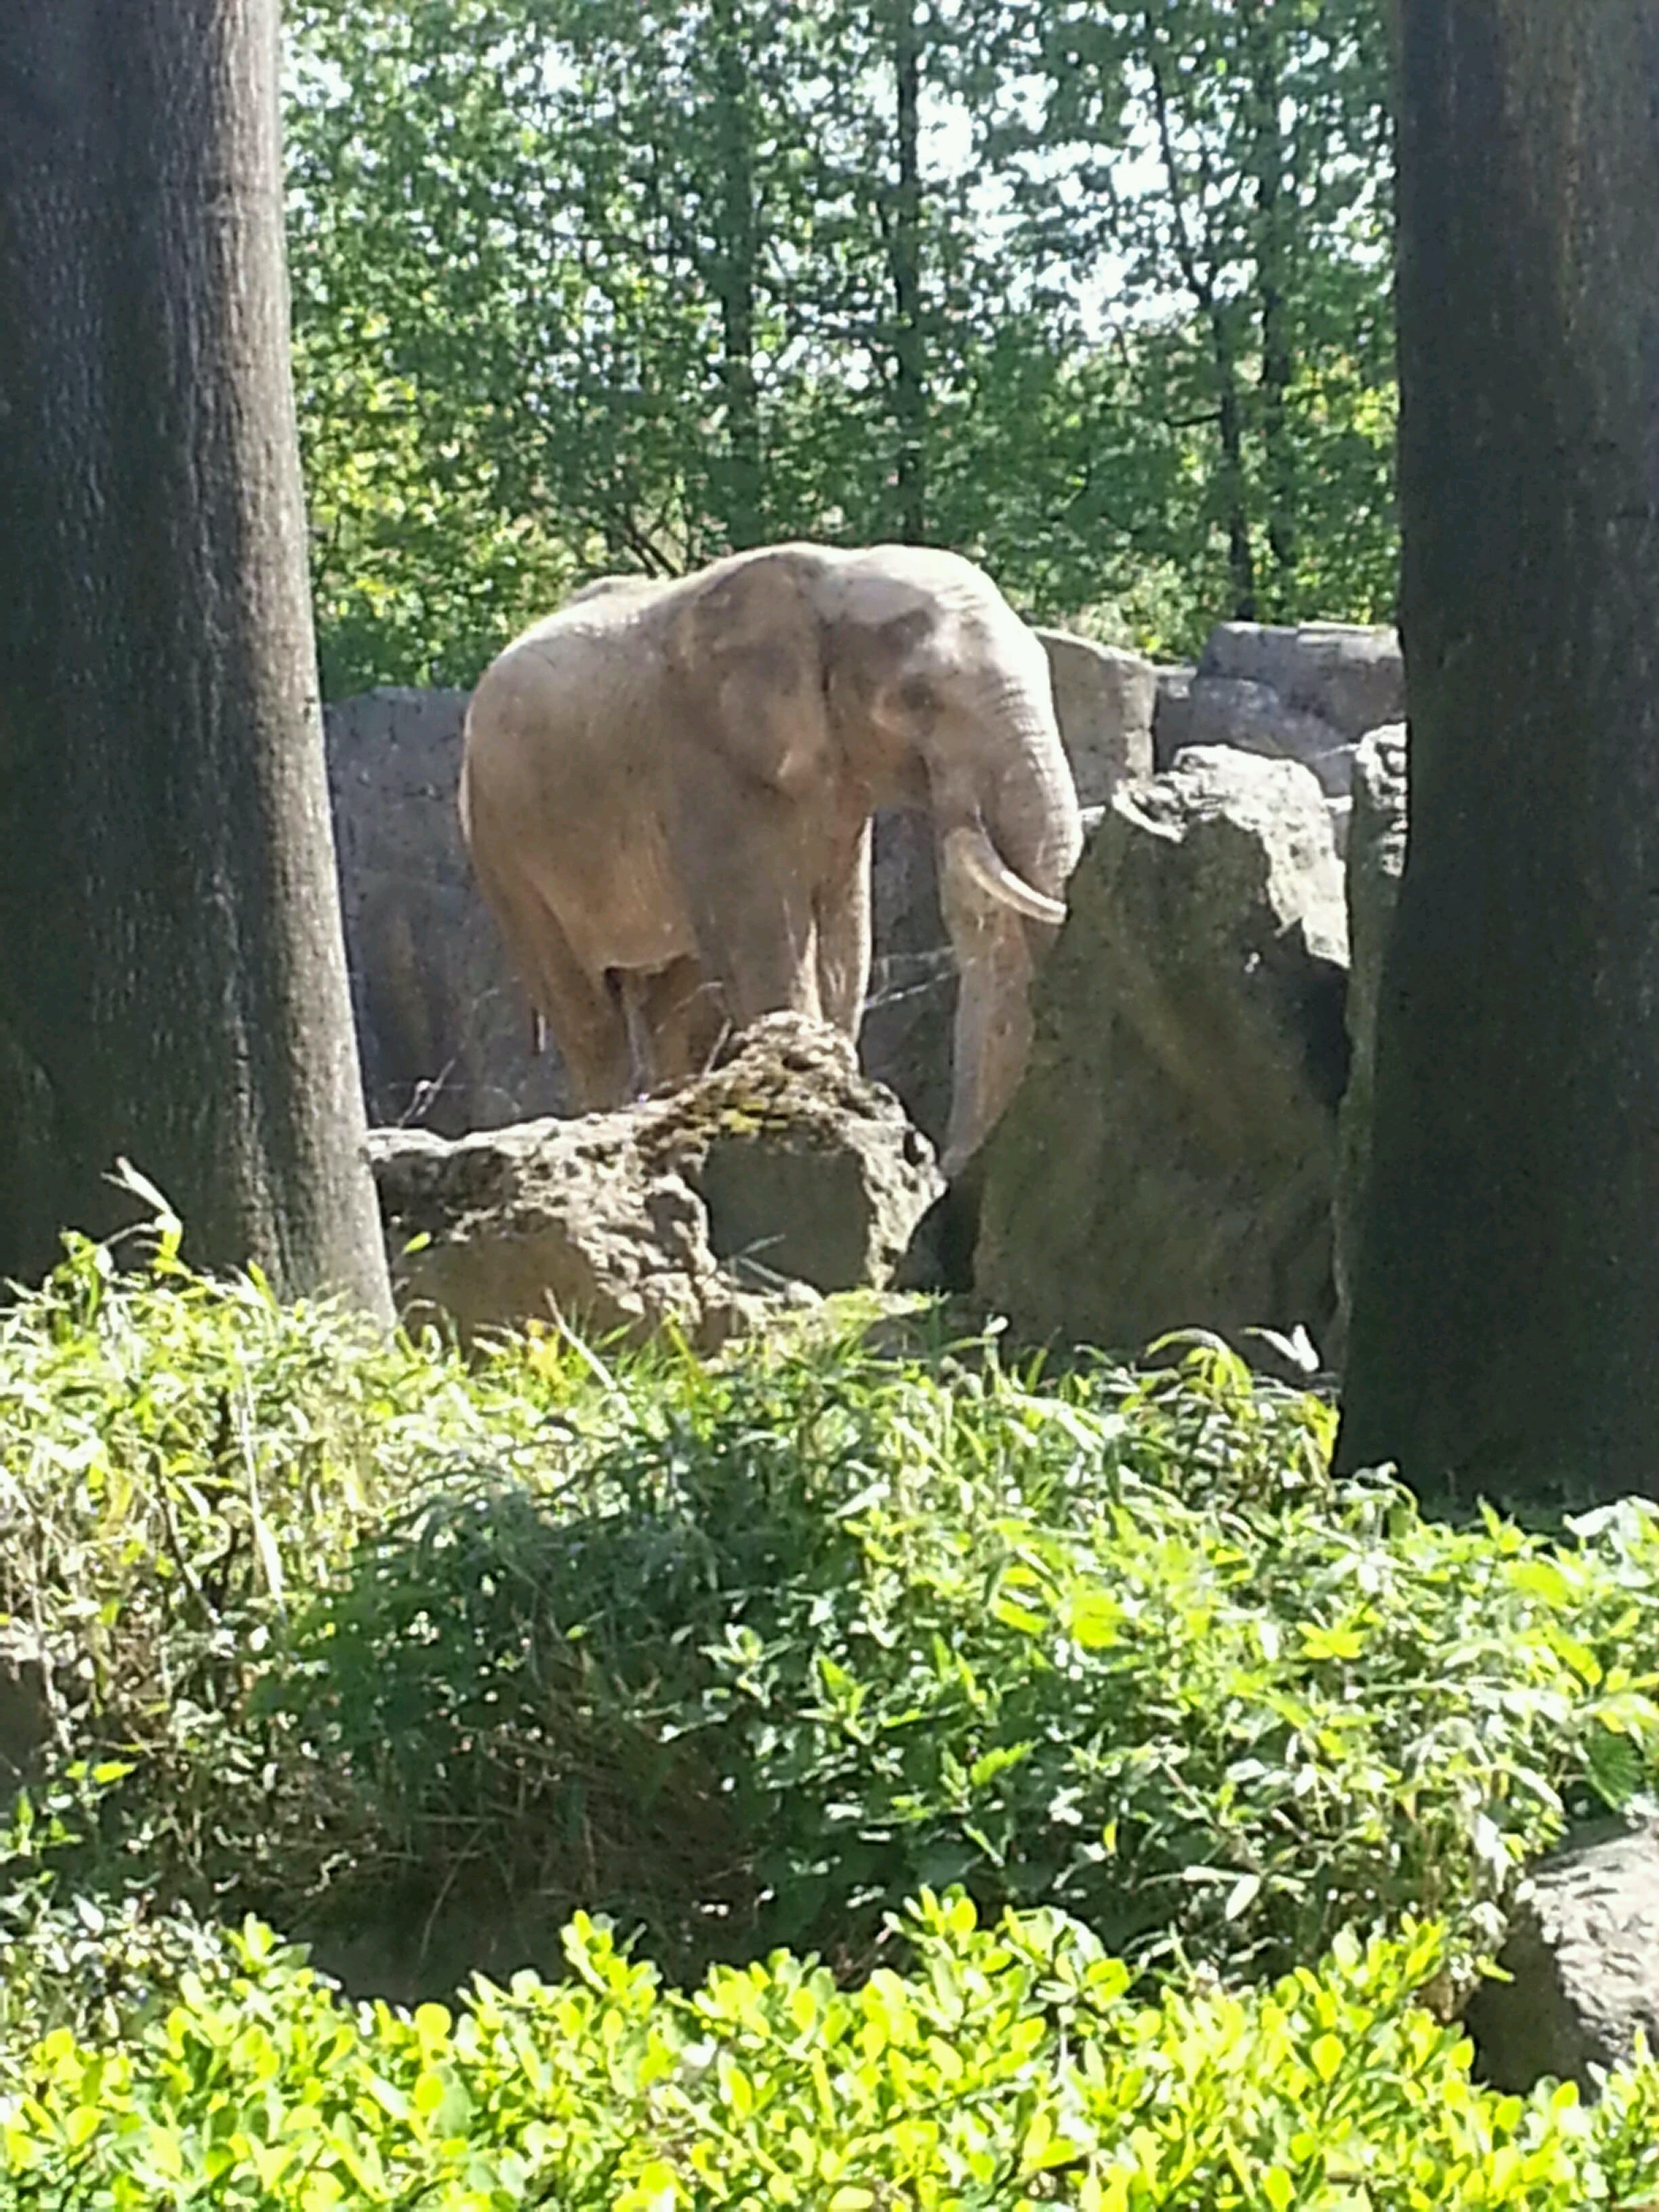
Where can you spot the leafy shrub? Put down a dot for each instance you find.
(1010, 2069)
(183, 1464)
(830, 1632)
(748, 1655)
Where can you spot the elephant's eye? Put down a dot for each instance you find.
(917, 697)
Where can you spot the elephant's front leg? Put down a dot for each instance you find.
(841, 912)
(745, 860)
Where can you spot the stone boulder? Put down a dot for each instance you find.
(1582, 1954)
(911, 1007)
(1227, 710)
(1351, 677)
(443, 1024)
(779, 1174)
(1104, 701)
(1172, 719)
(1308, 694)
(1374, 860)
(1168, 1160)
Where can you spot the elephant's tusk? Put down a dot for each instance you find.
(969, 851)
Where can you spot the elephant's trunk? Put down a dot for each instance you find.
(1008, 842)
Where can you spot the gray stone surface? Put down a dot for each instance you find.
(1375, 857)
(1104, 701)
(1351, 677)
(911, 1005)
(780, 1173)
(1584, 1955)
(443, 1025)
(1172, 716)
(1229, 710)
(1168, 1160)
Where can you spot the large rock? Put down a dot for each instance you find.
(1307, 693)
(1104, 701)
(1375, 858)
(911, 1007)
(443, 1024)
(781, 1168)
(1172, 719)
(1229, 710)
(1168, 1160)
(1583, 1953)
(1352, 678)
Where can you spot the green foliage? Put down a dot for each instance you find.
(1009, 2069)
(183, 1462)
(1121, 1645)
(581, 286)
(750, 1655)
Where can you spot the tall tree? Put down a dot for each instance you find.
(175, 984)
(1507, 1295)
(1222, 165)
(595, 283)
(901, 208)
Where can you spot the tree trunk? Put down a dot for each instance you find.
(173, 984)
(1229, 418)
(1275, 210)
(1198, 264)
(734, 276)
(904, 257)
(1507, 1302)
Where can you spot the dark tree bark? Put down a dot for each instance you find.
(1198, 268)
(172, 972)
(904, 261)
(1275, 211)
(1506, 1310)
(734, 278)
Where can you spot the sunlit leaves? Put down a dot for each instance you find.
(1007, 2070)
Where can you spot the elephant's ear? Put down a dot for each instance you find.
(746, 666)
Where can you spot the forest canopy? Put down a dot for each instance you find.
(1099, 295)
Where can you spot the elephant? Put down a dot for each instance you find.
(667, 788)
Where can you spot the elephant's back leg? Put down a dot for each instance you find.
(683, 1016)
(583, 1011)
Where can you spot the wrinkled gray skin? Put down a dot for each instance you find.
(668, 786)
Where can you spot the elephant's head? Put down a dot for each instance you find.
(940, 696)
(899, 676)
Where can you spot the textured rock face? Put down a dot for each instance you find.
(1168, 1161)
(1104, 701)
(443, 1025)
(1172, 717)
(1226, 710)
(780, 1173)
(911, 1006)
(1583, 1951)
(1308, 694)
(1349, 678)
(1375, 857)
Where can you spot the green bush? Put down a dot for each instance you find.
(1011, 2069)
(747, 1654)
